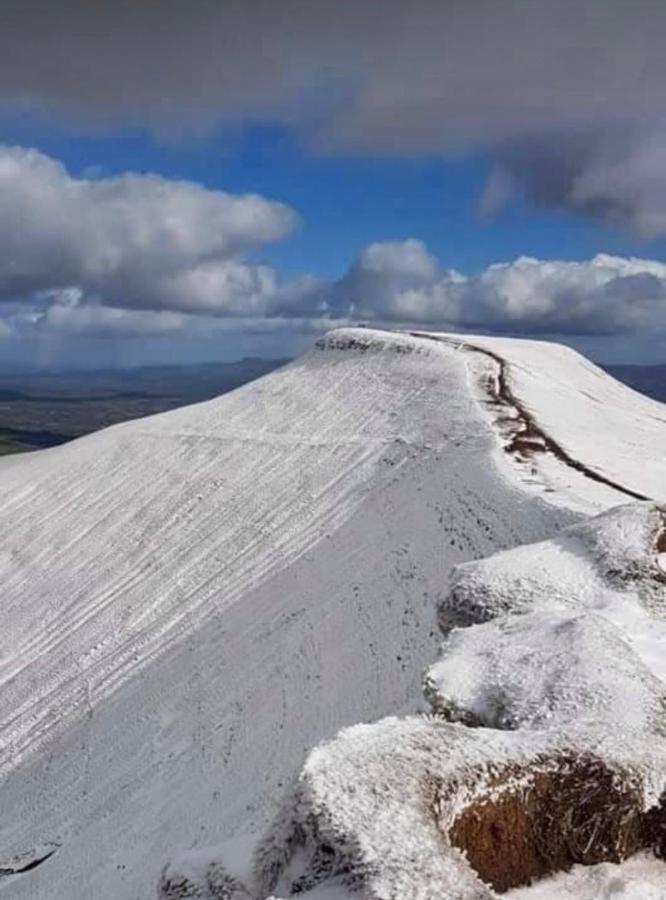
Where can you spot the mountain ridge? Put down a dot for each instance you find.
(196, 598)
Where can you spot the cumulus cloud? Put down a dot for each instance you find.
(573, 89)
(381, 278)
(607, 295)
(117, 259)
(145, 255)
(135, 241)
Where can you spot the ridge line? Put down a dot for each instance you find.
(531, 428)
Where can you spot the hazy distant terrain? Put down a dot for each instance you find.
(650, 380)
(42, 409)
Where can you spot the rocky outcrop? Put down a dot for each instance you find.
(545, 748)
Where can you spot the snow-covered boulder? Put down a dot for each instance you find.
(545, 669)
(613, 557)
(422, 809)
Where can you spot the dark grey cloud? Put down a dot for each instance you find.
(486, 69)
(567, 95)
(613, 177)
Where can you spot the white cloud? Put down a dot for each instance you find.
(134, 241)
(603, 296)
(144, 255)
(392, 283)
(381, 276)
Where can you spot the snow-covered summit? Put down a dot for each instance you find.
(192, 600)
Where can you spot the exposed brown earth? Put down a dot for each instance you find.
(529, 823)
(661, 542)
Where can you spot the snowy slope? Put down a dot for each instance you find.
(192, 600)
(596, 426)
(600, 422)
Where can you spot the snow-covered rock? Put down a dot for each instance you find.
(542, 669)
(608, 564)
(557, 755)
(391, 808)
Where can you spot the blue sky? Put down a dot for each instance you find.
(345, 200)
(371, 144)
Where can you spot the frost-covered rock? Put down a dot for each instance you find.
(416, 808)
(587, 566)
(545, 669)
(566, 763)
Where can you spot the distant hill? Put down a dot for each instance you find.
(42, 409)
(649, 380)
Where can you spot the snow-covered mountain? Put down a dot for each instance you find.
(193, 600)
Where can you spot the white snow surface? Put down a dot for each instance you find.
(192, 600)
(640, 878)
(600, 422)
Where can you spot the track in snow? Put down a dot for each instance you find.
(528, 435)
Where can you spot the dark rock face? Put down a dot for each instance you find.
(560, 811)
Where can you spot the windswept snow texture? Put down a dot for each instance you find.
(600, 441)
(192, 600)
